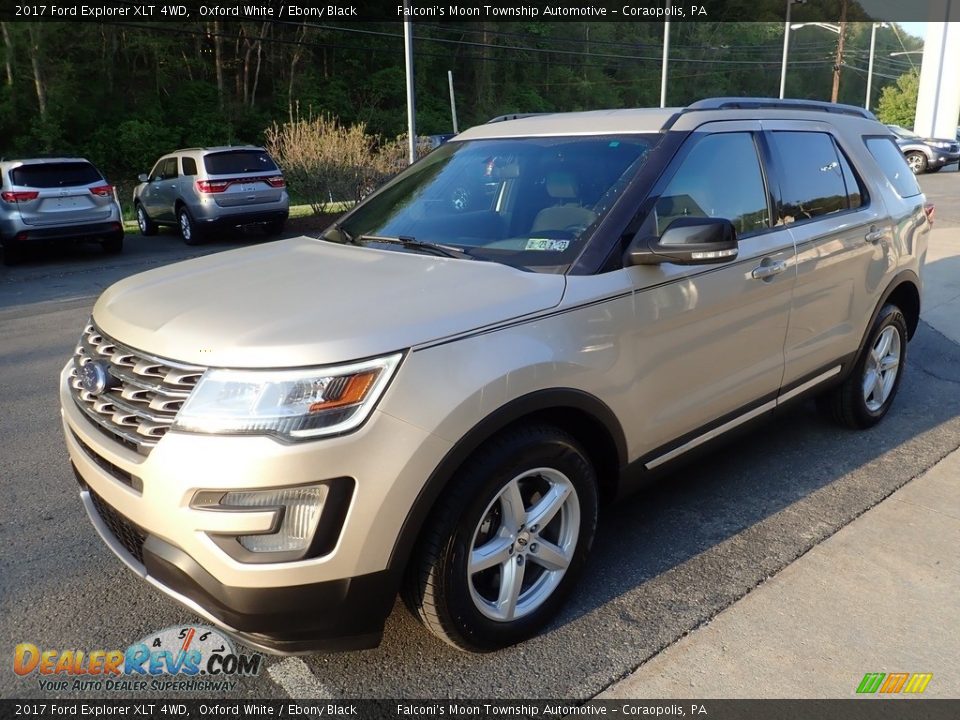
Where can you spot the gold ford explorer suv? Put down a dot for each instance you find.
(435, 395)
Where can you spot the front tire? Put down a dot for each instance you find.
(917, 162)
(863, 399)
(188, 230)
(147, 226)
(506, 542)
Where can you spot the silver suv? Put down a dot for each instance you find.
(199, 190)
(436, 395)
(47, 199)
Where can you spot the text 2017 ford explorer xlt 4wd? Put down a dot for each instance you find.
(434, 397)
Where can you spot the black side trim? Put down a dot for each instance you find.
(337, 614)
(636, 475)
(542, 400)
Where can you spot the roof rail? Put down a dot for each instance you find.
(757, 103)
(514, 116)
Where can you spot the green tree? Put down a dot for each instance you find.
(898, 103)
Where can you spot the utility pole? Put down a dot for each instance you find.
(838, 60)
(453, 102)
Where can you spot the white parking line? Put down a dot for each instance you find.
(297, 680)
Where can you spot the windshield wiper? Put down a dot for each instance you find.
(414, 244)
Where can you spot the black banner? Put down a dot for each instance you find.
(854, 709)
(338, 11)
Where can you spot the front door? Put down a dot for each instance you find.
(709, 339)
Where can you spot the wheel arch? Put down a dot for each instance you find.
(588, 419)
(904, 291)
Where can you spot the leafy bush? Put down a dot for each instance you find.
(326, 163)
(898, 103)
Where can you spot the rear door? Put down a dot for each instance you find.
(61, 193)
(242, 178)
(843, 238)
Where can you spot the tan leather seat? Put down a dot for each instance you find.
(567, 213)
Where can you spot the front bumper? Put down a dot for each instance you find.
(336, 615)
(140, 505)
(942, 159)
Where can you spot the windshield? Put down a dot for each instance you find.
(525, 202)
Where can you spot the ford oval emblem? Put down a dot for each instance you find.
(94, 377)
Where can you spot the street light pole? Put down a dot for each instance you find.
(873, 47)
(786, 46)
(411, 112)
(786, 50)
(666, 57)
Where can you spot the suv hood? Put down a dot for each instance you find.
(310, 302)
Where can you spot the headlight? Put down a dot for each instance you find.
(294, 404)
(941, 145)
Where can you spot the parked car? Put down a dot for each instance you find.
(435, 399)
(926, 154)
(44, 199)
(200, 190)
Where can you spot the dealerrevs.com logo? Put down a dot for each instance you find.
(191, 658)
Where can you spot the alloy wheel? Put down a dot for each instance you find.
(881, 368)
(523, 544)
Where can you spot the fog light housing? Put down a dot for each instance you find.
(306, 520)
(299, 510)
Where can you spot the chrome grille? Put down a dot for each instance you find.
(143, 397)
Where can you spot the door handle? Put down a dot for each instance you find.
(173, 186)
(765, 272)
(875, 235)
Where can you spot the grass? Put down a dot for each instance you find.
(297, 212)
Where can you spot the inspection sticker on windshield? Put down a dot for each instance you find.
(547, 244)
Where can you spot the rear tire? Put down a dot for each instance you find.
(188, 230)
(147, 226)
(867, 394)
(12, 255)
(506, 542)
(113, 245)
(275, 227)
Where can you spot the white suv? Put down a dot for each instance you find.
(537, 317)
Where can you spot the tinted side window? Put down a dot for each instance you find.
(238, 161)
(720, 178)
(812, 181)
(189, 166)
(852, 182)
(169, 170)
(893, 164)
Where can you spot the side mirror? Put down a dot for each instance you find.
(143, 177)
(686, 241)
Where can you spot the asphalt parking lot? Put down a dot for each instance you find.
(664, 563)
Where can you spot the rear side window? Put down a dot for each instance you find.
(51, 175)
(720, 178)
(894, 166)
(814, 177)
(189, 166)
(233, 162)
